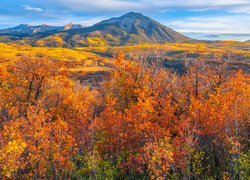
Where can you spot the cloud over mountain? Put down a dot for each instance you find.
(168, 12)
(30, 8)
(236, 6)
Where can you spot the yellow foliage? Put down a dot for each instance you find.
(96, 41)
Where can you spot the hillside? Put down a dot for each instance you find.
(131, 28)
(28, 30)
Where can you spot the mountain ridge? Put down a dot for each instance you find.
(128, 29)
(25, 29)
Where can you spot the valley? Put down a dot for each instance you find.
(81, 61)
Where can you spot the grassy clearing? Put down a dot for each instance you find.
(89, 69)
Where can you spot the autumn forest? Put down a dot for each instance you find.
(140, 121)
(124, 98)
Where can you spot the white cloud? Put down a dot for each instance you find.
(30, 8)
(3, 17)
(235, 6)
(100, 5)
(200, 3)
(242, 10)
(152, 5)
(233, 24)
(91, 21)
(76, 20)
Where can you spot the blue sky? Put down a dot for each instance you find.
(201, 19)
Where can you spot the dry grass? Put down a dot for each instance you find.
(89, 69)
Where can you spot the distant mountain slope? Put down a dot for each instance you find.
(131, 28)
(27, 30)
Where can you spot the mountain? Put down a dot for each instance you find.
(131, 28)
(27, 30)
(137, 28)
(72, 26)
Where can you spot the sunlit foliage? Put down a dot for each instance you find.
(141, 122)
